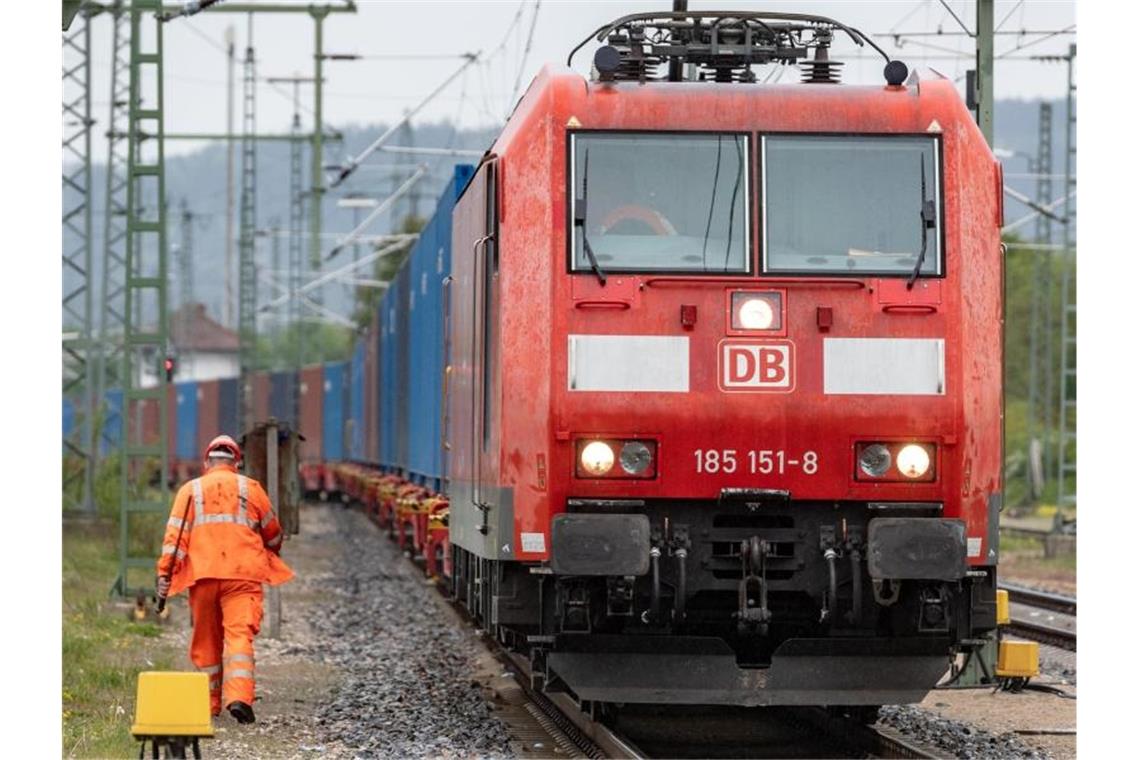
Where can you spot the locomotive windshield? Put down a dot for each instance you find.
(659, 202)
(851, 204)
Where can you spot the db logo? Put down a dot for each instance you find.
(753, 366)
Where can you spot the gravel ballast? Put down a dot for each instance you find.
(956, 738)
(407, 688)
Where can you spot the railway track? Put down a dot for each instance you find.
(1042, 616)
(715, 732)
(866, 741)
(591, 737)
(1062, 638)
(1045, 600)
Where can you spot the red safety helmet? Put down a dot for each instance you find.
(227, 444)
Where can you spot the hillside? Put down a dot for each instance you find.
(199, 179)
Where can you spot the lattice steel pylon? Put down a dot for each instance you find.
(1040, 412)
(79, 369)
(296, 247)
(274, 232)
(247, 291)
(185, 255)
(112, 317)
(185, 282)
(145, 305)
(1067, 406)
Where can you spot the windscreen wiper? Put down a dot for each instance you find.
(926, 217)
(580, 220)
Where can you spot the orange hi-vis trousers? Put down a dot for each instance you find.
(227, 615)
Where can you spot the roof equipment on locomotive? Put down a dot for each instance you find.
(723, 46)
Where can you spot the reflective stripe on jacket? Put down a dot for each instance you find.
(229, 531)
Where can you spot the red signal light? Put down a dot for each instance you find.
(168, 366)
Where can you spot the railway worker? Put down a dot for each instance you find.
(222, 542)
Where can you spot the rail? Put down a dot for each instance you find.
(871, 741)
(1062, 638)
(593, 738)
(1045, 600)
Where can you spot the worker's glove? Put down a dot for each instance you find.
(162, 586)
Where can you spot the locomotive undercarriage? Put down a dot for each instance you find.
(744, 601)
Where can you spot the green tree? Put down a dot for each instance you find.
(322, 342)
(384, 269)
(1032, 372)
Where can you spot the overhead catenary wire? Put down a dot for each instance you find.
(1021, 197)
(399, 57)
(1010, 33)
(315, 307)
(416, 150)
(380, 209)
(918, 6)
(355, 161)
(962, 24)
(1071, 29)
(316, 282)
(218, 83)
(1034, 214)
(1019, 4)
(526, 52)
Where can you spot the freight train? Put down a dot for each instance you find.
(692, 388)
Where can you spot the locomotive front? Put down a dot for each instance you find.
(775, 378)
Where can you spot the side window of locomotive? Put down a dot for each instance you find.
(851, 205)
(643, 202)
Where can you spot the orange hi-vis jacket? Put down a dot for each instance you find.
(231, 532)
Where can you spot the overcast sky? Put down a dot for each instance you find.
(380, 89)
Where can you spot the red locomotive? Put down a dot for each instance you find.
(723, 402)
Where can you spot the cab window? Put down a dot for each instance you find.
(650, 201)
(851, 205)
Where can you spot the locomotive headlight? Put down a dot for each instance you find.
(756, 314)
(875, 460)
(597, 458)
(913, 461)
(636, 457)
(755, 311)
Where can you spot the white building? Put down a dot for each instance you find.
(202, 349)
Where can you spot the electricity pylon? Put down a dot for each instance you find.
(79, 368)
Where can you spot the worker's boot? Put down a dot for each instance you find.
(242, 712)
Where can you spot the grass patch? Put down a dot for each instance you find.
(1064, 561)
(103, 651)
(1019, 544)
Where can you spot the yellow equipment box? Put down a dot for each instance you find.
(172, 704)
(1017, 659)
(1002, 607)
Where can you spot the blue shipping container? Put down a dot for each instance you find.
(186, 420)
(112, 437)
(332, 413)
(356, 404)
(281, 385)
(228, 407)
(384, 369)
(68, 420)
(428, 265)
(403, 369)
